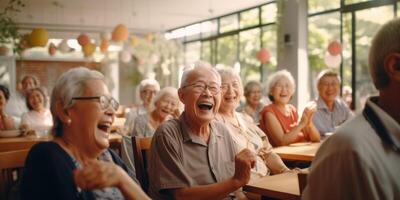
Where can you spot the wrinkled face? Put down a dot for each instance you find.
(282, 91)
(28, 83)
(3, 100)
(147, 94)
(231, 91)
(328, 88)
(36, 100)
(201, 104)
(166, 105)
(254, 95)
(90, 119)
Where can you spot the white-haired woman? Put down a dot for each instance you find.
(148, 88)
(244, 132)
(279, 120)
(163, 107)
(77, 164)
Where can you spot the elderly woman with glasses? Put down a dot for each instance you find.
(279, 119)
(148, 88)
(244, 132)
(253, 105)
(77, 164)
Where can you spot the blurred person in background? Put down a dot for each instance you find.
(253, 104)
(6, 121)
(279, 120)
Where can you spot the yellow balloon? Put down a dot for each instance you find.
(39, 37)
(88, 49)
(120, 33)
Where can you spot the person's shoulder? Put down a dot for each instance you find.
(267, 108)
(46, 152)
(170, 128)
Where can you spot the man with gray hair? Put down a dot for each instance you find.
(361, 160)
(193, 157)
(331, 111)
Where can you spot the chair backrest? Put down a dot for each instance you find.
(10, 161)
(141, 148)
(302, 177)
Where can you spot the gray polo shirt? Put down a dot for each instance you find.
(180, 159)
(325, 120)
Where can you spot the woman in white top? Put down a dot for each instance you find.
(245, 133)
(38, 117)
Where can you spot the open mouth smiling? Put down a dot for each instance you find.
(205, 106)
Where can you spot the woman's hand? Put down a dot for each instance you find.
(308, 113)
(98, 174)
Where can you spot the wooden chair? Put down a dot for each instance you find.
(141, 148)
(11, 163)
(302, 177)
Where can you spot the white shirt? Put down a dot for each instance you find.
(41, 122)
(355, 163)
(16, 105)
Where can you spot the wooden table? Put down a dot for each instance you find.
(298, 152)
(281, 186)
(17, 143)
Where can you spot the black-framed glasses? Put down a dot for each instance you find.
(104, 101)
(200, 87)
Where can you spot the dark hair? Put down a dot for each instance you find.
(5, 91)
(30, 92)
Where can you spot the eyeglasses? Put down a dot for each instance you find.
(327, 84)
(200, 87)
(104, 101)
(225, 86)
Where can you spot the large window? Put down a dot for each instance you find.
(234, 39)
(353, 23)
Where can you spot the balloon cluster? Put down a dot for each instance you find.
(333, 57)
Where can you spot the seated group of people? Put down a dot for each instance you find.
(210, 150)
(27, 109)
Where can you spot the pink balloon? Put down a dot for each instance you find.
(334, 48)
(263, 55)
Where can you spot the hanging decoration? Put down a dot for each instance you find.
(83, 39)
(104, 46)
(120, 33)
(335, 48)
(39, 37)
(24, 42)
(105, 36)
(263, 55)
(333, 61)
(63, 46)
(52, 49)
(88, 49)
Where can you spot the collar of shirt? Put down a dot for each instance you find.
(188, 136)
(321, 104)
(391, 125)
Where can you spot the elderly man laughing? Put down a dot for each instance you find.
(193, 157)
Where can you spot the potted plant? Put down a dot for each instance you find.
(8, 28)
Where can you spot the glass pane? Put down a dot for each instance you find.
(354, 1)
(192, 52)
(367, 24)
(322, 5)
(398, 9)
(249, 18)
(322, 29)
(209, 28)
(268, 13)
(269, 42)
(229, 23)
(347, 51)
(206, 51)
(249, 46)
(227, 50)
(192, 32)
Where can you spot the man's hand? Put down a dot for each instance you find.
(244, 161)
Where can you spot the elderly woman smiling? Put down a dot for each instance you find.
(39, 117)
(68, 167)
(6, 121)
(243, 131)
(279, 119)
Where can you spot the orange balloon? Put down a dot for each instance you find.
(104, 46)
(120, 33)
(334, 48)
(88, 49)
(263, 55)
(83, 39)
(39, 37)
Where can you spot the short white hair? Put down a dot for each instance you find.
(326, 73)
(275, 77)
(149, 82)
(188, 70)
(231, 72)
(70, 84)
(163, 92)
